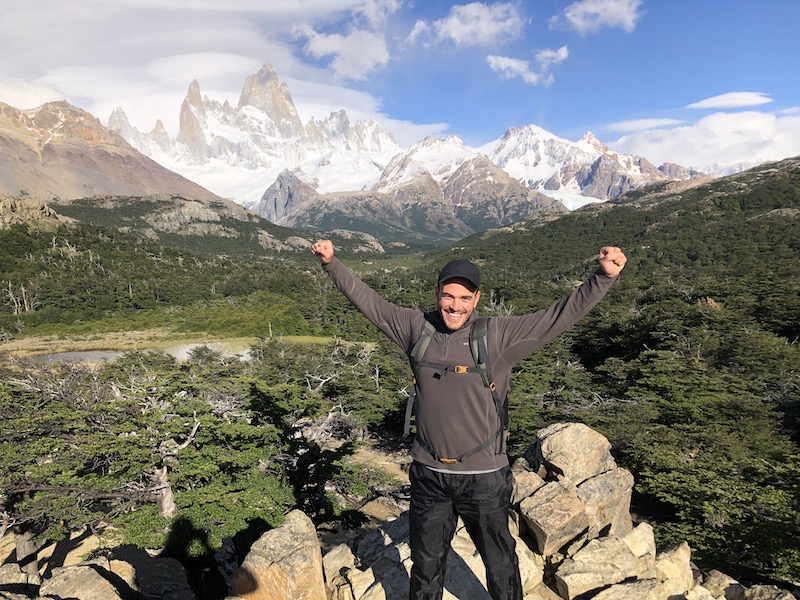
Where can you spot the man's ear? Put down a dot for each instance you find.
(477, 297)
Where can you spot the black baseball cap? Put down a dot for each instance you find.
(460, 268)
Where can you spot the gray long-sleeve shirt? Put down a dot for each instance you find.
(456, 412)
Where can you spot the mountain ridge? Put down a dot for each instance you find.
(350, 176)
(59, 150)
(333, 155)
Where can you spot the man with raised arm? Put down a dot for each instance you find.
(460, 466)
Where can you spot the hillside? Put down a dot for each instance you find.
(689, 367)
(61, 151)
(221, 227)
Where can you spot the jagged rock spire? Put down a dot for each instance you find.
(192, 121)
(264, 91)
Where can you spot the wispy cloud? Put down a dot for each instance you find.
(475, 24)
(588, 16)
(548, 57)
(377, 12)
(509, 68)
(733, 100)
(642, 124)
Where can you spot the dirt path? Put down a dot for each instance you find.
(394, 464)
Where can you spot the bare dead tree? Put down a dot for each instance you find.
(376, 376)
(165, 497)
(497, 306)
(338, 424)
(159, 476)
(320, 380)
(170, 448)
(11, 298)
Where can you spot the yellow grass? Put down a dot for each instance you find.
(152, 339)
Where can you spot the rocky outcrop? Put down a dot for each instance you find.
(575, 539)
(286, 194)
(571, 521)
(100, 579)
(35, 213)
(612, 174)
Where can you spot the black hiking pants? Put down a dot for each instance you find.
(482, 502)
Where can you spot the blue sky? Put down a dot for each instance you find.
(694, 82)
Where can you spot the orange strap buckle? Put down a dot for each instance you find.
(461, 369)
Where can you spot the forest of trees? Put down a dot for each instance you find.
(690, 367)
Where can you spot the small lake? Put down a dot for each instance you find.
(181, 352)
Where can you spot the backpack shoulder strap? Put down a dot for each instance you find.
(417, 353)
(420, 347)
(480, 353)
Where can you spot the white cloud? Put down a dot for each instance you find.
(718, 139)
(587, 16)
(509, 68)
(642, 124)
(377, 12)
(420, 30)
(733, 100)
(548, 57)
(478, 24)
(21, 94)
(143, 54)
(354, 55)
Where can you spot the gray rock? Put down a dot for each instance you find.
(573, 451)
(555, 515)
(96, 580)
(600, 563)
(767, 592)
(607, 498)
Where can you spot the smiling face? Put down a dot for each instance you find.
(457, 299)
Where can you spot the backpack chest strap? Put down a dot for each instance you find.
(458, 369)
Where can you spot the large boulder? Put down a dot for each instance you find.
(674, 565)
(607, 498)
(96, 580)
(13, 582)
(555, 515)
(284, 564)
(526, 481)
(573, 451)
(600, 563)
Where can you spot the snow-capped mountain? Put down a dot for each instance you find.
(237, 152)
(574, 172)
(261, 155)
